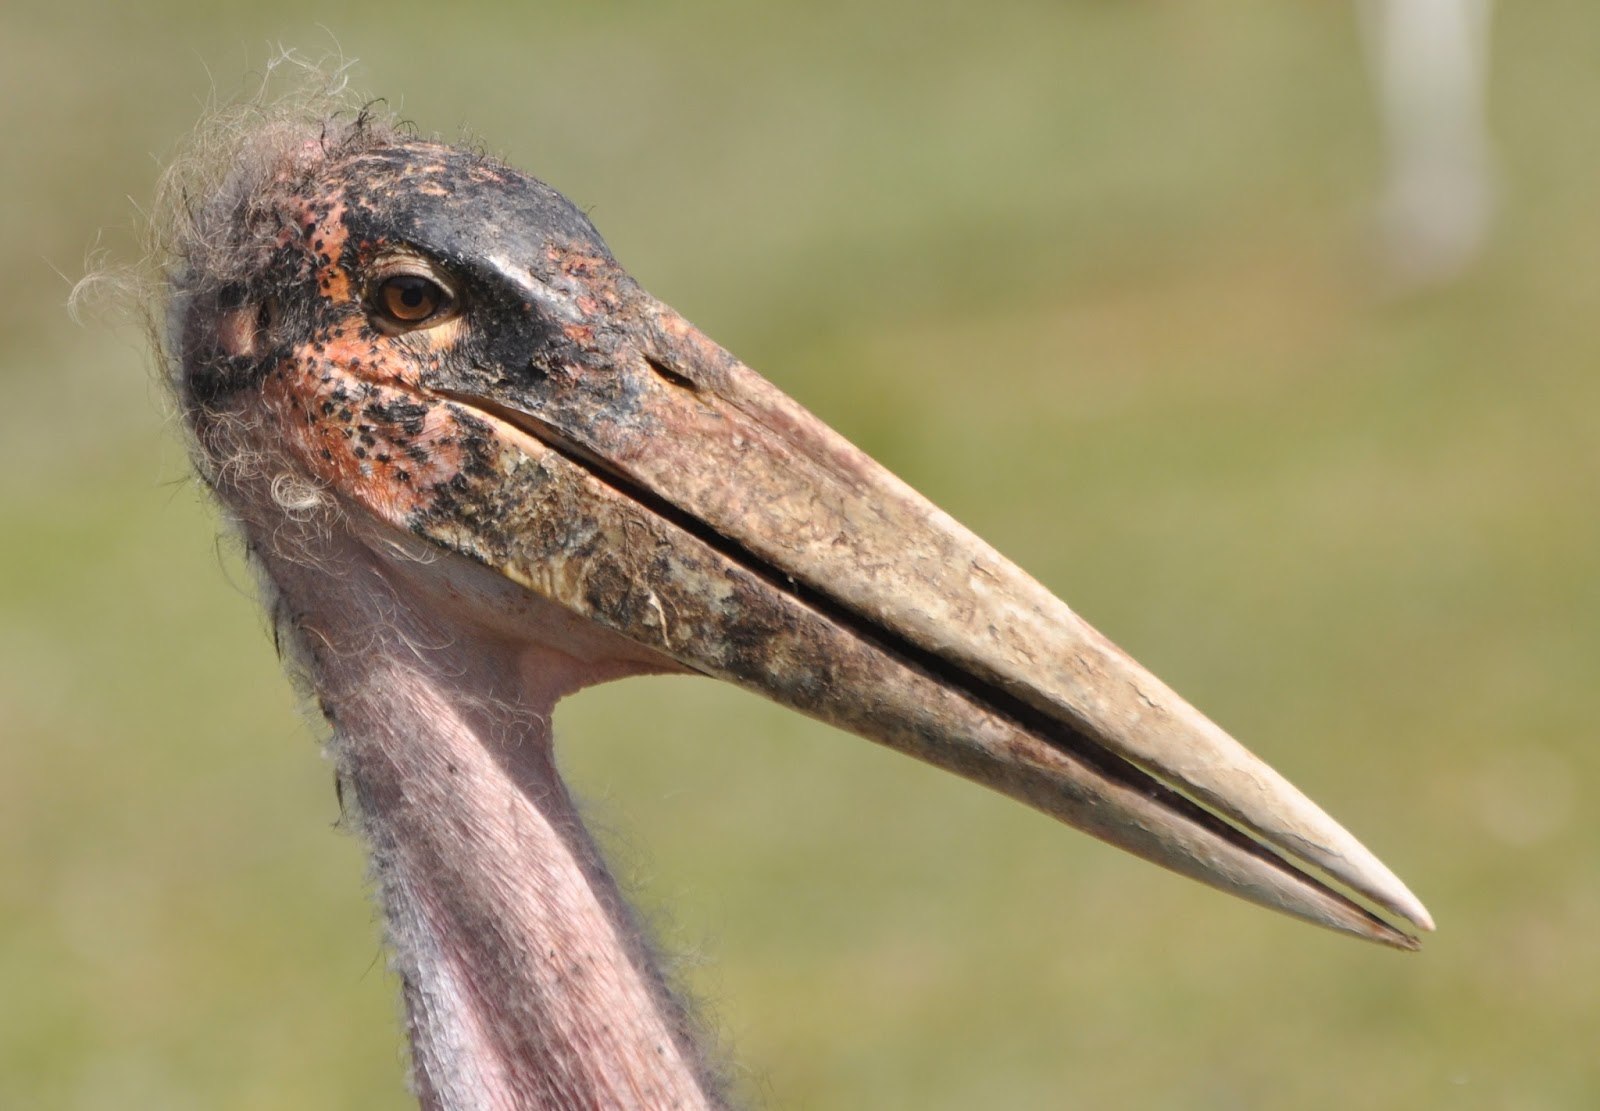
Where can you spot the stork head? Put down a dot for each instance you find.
(438, 355)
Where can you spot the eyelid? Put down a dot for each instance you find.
(410, 266)
(392, 264)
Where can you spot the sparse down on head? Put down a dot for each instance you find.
(480, 468)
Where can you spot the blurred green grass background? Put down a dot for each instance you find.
(1093, 276)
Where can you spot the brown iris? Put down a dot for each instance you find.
(410, 300)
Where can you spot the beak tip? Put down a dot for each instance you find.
(1412, 917)
(1337, 854)
(1408, 944)
(1396, 898)
(1423, 920)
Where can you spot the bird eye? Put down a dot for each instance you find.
(410, 300)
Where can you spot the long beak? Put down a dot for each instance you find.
(692, 507)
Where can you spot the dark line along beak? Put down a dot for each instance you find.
(716, 521)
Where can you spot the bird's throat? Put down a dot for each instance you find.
(527, 983)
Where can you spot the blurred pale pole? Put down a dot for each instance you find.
(1430, 62)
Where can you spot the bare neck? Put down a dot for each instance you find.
(527, 983)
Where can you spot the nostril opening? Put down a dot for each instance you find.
(245, 329)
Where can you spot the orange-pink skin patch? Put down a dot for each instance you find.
(350, 404)
(336, 423)
(325, 235)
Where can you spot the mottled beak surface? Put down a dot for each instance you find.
(448, 347)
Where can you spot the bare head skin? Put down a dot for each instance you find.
(480, 468)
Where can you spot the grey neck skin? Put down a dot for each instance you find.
(527, 982)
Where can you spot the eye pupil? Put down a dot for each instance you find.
(411, 299)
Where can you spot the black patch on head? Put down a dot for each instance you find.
(459, 208)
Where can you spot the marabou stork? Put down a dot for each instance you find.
(480, 468)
